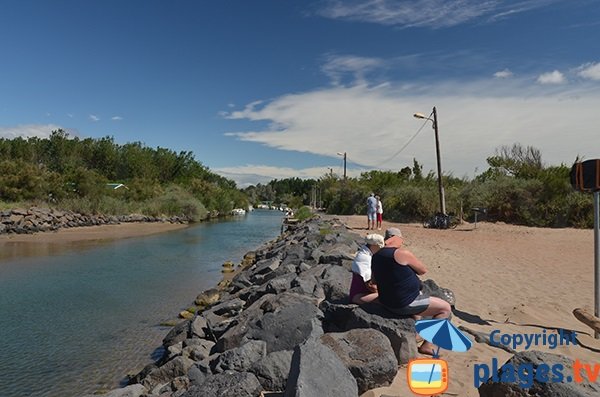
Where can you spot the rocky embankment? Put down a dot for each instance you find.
(32, 220)
(282, 327)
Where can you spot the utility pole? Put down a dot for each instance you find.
(439, 163)
(343, 154)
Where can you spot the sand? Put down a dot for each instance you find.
(49, 243)
(512, 278)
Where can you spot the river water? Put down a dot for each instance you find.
(78, 321)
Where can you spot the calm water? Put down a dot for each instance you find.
(78, 321)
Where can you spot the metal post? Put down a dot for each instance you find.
(439, 163)
(344, 165)
(597, 257)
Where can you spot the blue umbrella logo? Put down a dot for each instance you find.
(443, 334)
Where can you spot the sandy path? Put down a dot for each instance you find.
(504, 277)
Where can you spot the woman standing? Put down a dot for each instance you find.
(379, 212)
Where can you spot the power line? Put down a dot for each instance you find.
(403, 147)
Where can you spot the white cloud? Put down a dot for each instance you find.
(372, 124)
(116, 118)
(554, 77)
(253, 174)
(590, 71)
(31, 130)
(503, 74)
(336, 66)
(94, 118)
(427, 13)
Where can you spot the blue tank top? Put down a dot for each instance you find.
(398, 285)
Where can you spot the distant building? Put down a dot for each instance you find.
(116, 186)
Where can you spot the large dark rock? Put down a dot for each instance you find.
(272, 371)
(295, 254)
(228, 308)
(241, 358)
(177, 334)
(338, 254)
(197, 349)
(227, 384)
(529, 362)
(432, 289)
(282, 320)
(163, 375)
(336, 284)
(400, 331)
(136, 390)
(317, 371)
(367, 354)
(208, 297)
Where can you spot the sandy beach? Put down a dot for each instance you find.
(48, 243)
(512, 278)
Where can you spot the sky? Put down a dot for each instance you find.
(265, 89)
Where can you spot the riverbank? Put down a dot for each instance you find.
(50, 243)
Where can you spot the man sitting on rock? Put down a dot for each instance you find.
(362, 289)
(396, 271)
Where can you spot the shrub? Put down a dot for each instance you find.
(304, 213)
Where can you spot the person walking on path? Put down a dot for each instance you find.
(379, 212)
(371, 211)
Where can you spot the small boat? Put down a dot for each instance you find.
(238, 211)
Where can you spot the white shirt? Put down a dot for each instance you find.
(379, 207)
(361, 264)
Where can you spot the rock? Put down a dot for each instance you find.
(338, 255)
(336, 284)
(531, 361)
(432, 289)
(196, 376)
(272, 371)
(186, 315)
(228, 308)
(317, 371)
(197, 349)
(198, 327)
(282, 320)
(368, 355)
(241, 358)
(400, 331)
(207, 298)
(227, 384)
(280, 284)
(178, 333)
(163, 375)
(129, 391)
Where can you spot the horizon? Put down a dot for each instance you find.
(273, 90)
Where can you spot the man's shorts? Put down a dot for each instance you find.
(419, 305)
(372, 215)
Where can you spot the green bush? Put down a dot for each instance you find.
(303, 213)
(175, 202)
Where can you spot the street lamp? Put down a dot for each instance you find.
(437, 152)
(343, 154)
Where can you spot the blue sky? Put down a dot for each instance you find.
(272, 89)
